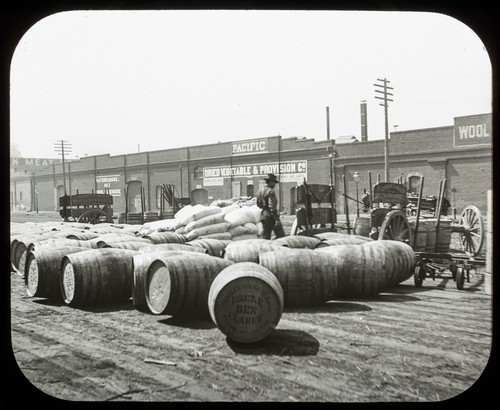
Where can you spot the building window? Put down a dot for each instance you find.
(198, 172)
(414, 184)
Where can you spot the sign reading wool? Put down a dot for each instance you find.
(472, 130)
(289, 171)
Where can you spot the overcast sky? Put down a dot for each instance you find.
(121, 81)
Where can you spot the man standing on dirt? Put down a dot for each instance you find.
(267, 201)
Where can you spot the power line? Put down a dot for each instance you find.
(63, 147)
(385, 98)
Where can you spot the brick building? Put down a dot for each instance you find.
(461, 153)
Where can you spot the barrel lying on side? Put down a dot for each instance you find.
(298, 241)
(179, 285)
(165, 237)
(214, 247)
(141, 263)
(306, 276)
(246, 302)
(42, 271)
(248, 252)
(172, 247)
(365, 270)
(97, 276)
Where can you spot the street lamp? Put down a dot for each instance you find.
(356, 179)
(395, 126)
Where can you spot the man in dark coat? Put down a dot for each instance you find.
(267, 201)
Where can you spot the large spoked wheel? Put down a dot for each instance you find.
(460, 278)
(419, 274)
(395, 227)
(471, 234)
(95, 216)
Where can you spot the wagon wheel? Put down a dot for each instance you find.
(297, 229)
(453, 269)
(94, 216)
(419, 274)
(395, 227)
(460, 277)
(471, 236)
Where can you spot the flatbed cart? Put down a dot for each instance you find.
(435, 264)
(471, 232)
(86, 208)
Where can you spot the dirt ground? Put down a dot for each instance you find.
(404, 345)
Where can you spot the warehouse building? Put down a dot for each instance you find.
(460, 153)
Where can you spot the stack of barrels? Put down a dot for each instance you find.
(243, 286)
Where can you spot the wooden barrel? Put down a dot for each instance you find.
(179, 285)
(400, 260)
(51, 243)
(165, 237)
(367, 269)
(345, 240)
(97, 276)
(172, 247)
(362, 225)
(246, 302)
(42, 271)
(419, 241)
(443, 239)
(214, 247)
(54, 243)
(117, 238)
(298, 241)
(134, 245)
(19, 245)
(141, 264)
(429, 226)
(248, 252)
(307, 276)
(82, 236)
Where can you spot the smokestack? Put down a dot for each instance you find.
(364, 122)
(328, 123)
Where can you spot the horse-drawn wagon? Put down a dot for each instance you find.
(393, 214)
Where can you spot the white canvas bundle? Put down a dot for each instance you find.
(221, 235)
(244, 237)
(230, 208)
(255, 211)
(239, 217)
(207, 230)
(205, 221)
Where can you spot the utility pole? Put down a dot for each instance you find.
(385, 104)
(63, 147)
(328, 123)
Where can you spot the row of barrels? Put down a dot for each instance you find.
(243, 286)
